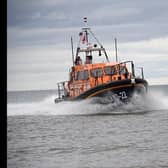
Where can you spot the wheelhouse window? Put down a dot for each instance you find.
(110, 70)
(123, 70)
(86, 75)
(82, 75)
(98, 72)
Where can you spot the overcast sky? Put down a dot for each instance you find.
(39, 31)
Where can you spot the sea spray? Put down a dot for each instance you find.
(154, 100)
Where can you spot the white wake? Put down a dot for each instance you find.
(153, 101)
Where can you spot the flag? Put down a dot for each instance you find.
(83, 39)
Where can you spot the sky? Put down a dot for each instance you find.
(39, 32)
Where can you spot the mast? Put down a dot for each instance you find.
(72, 51)
(86, 29)
(116, 49)
(84, 39)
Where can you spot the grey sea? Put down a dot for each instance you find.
(42, 134)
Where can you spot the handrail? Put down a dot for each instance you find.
(61, 89)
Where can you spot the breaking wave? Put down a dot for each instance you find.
(151, 102)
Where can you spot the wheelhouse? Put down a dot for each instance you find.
(84, 77)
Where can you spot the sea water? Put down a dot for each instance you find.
(42, 134)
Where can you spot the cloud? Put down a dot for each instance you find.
(38, 36)
(65, 12)
(24, 63)
(147, 49)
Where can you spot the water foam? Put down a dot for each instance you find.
(153, 101)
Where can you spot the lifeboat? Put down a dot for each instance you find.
(89, 78)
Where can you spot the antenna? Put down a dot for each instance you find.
(116, 49)
(72, 51)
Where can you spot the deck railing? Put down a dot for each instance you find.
(134, 70)
(62, 92)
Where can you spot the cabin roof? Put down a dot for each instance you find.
(93, 66)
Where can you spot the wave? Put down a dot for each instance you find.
(153, 101)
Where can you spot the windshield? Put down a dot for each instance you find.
(98, 72)
(110, 70)
(82, 75)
